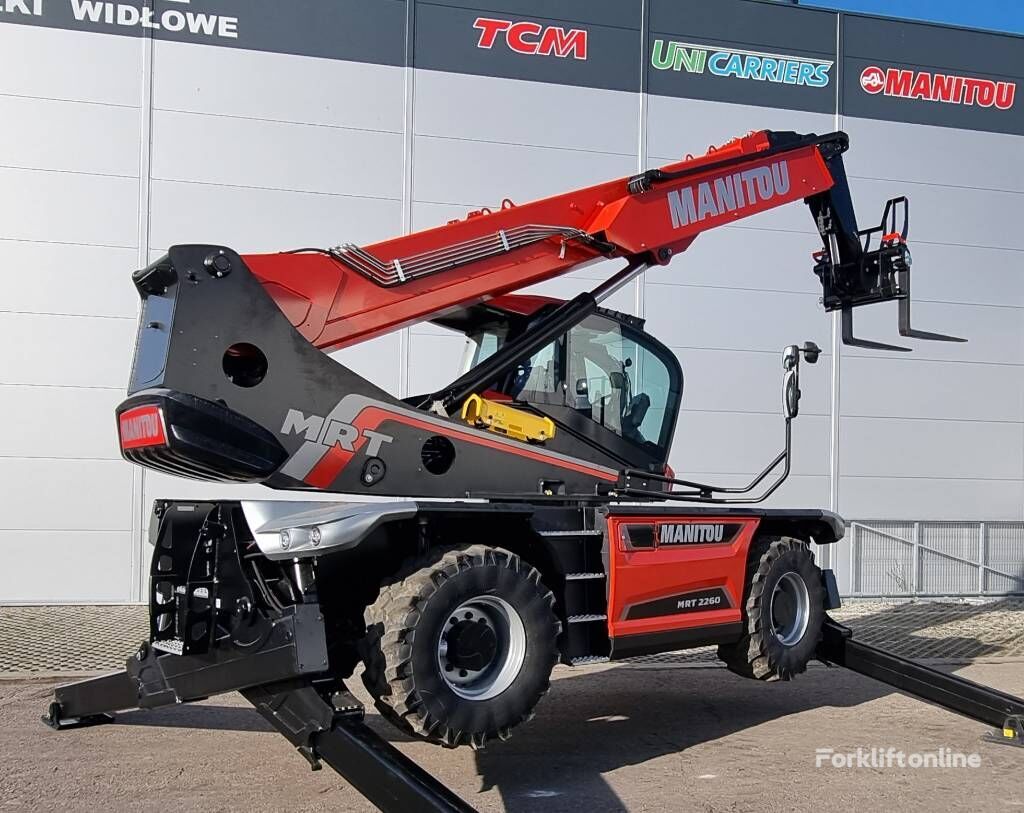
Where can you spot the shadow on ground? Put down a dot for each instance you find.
(595, 722)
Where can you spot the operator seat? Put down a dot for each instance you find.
(634, 416)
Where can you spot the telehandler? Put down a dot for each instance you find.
(521, 516)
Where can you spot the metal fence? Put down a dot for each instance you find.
(908, 558)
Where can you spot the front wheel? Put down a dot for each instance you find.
(460, 645)
(784, 611)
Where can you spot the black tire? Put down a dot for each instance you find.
(405, 624)
(762, 654)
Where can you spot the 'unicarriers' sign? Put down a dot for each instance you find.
(733, 63)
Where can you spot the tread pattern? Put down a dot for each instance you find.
(751, 656)
(391, 628)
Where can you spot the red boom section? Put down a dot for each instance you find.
(334, 305)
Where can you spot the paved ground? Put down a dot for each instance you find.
(650, 735)
(76, 639)
(605, 739)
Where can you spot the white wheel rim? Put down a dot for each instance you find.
(790, 609)
(509, 640)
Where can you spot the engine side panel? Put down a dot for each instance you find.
(676, 580)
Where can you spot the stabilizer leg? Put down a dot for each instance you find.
(336, 734)
(965, 697)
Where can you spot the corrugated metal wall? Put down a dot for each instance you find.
(355, 120)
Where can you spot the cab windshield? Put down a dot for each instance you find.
(603, 370)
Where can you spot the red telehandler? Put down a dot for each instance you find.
(554, 529)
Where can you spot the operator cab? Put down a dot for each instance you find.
(606, 383)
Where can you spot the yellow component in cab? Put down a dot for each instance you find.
(1009, 733)
(507, 420)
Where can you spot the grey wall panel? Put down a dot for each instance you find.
(433, 360)
(922, 447)
(85, 416)
(899, 497)
(92, 494)
(948, 215)
(49, 64)
(65, 350)
(969, 274)
(748, 381)
(64, 207)
(750, 258)
(251, 220)
(515, 112)
(737, 319)
(68, 279)
(448, 170)
(377, 360)
(276, 155)
(329, 92)
(742, 443)
(921, 153)
(909, 387)
(91, 138)
(66, 566)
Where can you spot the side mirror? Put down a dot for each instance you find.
(791, 392)
(790, 357)
(791, 383)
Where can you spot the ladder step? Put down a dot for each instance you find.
(174, 646)
(570, 533)
(573, 577)
(582, 619)
(584, 660)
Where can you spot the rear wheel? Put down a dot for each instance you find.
(783, 613)
(460, 645)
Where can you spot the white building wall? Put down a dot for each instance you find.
(265, 151)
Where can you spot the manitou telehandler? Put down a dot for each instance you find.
(536, 521)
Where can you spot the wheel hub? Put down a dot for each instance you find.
(482, 647)
(472, 644)
(790, 609)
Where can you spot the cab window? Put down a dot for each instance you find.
(623, 384)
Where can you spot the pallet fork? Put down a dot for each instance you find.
(325, 722)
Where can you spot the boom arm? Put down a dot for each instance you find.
(341, 296)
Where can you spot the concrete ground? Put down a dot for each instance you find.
(605, 739)
(672, 733)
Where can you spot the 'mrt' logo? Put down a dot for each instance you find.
(691, 533)
(729, 193)
(526, 37)
(331, 433)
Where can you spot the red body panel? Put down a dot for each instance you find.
(334, 306)
(662, 578)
